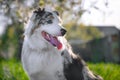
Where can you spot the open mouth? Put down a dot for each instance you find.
(52, 39)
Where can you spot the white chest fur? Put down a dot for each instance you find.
(43, 65)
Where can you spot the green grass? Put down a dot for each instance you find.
(12, 70)
(108, 71)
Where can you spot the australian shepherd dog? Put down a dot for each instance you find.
(46, 54)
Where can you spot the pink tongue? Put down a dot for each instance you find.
(55, 42)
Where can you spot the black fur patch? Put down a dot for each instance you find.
(73, 71)
(43, 16)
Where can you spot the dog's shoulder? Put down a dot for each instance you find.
(77, 69)
(73, 69)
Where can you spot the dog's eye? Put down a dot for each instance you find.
(49, 21)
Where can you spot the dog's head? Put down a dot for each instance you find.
(47, 24)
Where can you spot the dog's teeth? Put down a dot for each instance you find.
(48, 36)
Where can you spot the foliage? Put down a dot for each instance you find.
(10, 40)
(80, 31)
(12, 70)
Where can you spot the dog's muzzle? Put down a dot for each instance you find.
(63, 32)
(54, 39)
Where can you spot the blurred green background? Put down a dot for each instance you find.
(99, 46)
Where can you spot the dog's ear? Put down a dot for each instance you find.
(37, 10)
(56, 12)
(43, 10)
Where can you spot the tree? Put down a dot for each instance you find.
(17, 12)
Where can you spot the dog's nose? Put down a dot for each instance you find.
(63, 31)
